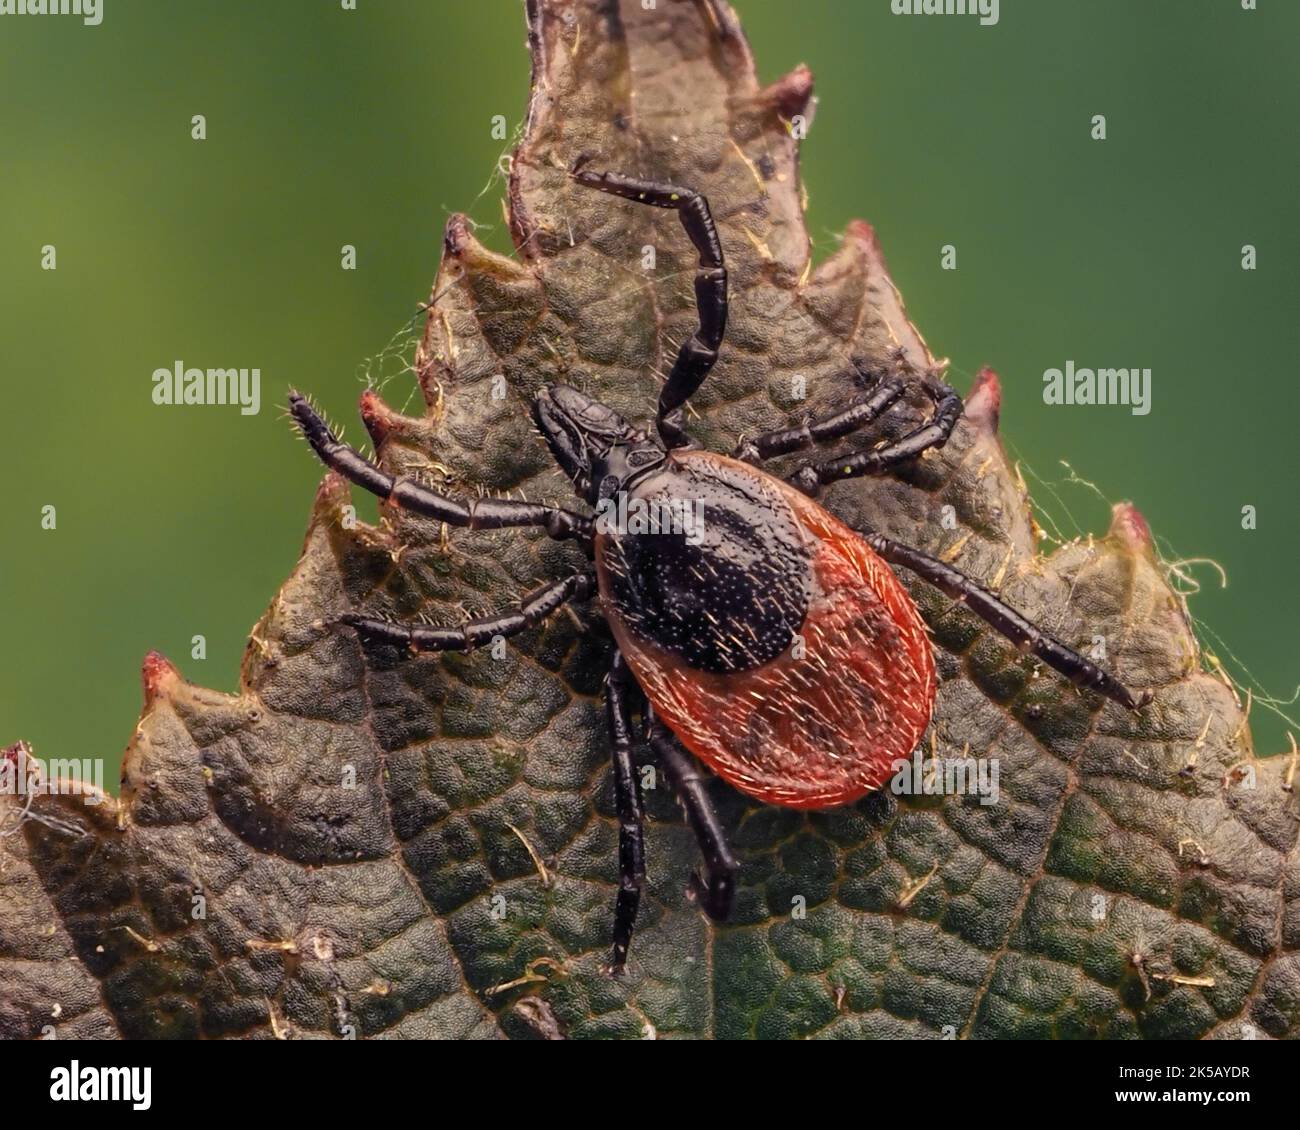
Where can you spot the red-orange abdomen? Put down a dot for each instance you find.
(823, 721)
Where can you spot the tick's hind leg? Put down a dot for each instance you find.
(532, 610)
(717, 890)
(935, 432)
(700, 350)
(627, 798)
(1006, 620)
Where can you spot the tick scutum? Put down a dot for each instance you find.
(727, 588)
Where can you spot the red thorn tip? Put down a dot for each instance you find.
(376, 415)
(457, 234)
(861, 232)
(1129, 527)
(984, 403)
(333, 489)
(156, 671)
(791, 93)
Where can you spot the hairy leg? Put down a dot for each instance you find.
(532, 610)
(785, 441)
(717, 890)
(935, 432)
(699, 352)
(475, 514)
(627, 797)
(1004, 619)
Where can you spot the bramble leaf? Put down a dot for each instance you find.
(361, 845)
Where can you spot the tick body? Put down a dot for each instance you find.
(767, 639)
(779, 648)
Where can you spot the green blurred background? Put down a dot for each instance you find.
(328, 127)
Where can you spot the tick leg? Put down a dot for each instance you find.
(476, 514)
(1007, 621)
(933, 433)
(718, 888)
(627, 798)
(532, 610)
(784, 441)
(700, 350)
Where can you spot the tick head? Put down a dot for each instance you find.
(599, 450)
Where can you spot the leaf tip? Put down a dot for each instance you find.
(462, 246)
(331, 496)
(984, 403)
(791, 94)
(861, 232)
(377, 417)
(457, 236)
(157, 673)
(1130, 528)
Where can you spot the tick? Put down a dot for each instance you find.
(767, 639)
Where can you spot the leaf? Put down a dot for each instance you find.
(1129, 882)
